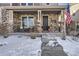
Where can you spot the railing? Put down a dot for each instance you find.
(33, 4)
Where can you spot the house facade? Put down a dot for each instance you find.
(74, 9)
(36, 17)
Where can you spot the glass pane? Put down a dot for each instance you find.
(4, 4)
(37, 4)
(47, 3)
(31, 21)
(25, 22)
(28, 22)
(15, 4)
(23, 4)
(30, 4)
(77, 27)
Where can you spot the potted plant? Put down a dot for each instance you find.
(33, 35)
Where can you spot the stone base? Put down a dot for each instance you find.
(39, 29)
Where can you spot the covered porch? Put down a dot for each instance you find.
(38, 21)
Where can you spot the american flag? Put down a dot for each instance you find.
(68, 17)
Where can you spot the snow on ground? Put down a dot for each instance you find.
(17, 45)
(70, 46)
(20, 45)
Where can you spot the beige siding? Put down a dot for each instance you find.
(74, 8)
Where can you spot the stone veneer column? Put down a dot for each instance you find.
(10, 21)
(0, 16)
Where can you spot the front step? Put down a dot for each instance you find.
(37, 34)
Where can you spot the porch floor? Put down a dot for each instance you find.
(38, 34)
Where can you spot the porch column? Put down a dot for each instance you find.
(0, 16)
(10, 20)
(39, 29)
(63, 18)
(76, 25)
(39, 16)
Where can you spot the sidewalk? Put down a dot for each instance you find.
(52, 51)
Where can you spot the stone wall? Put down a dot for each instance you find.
(18, 17)
(10, 21)
(14, 19)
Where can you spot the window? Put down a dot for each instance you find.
(30, 4)
(23, 4)
(77, 26)
(15, 4)
(37, 4)
(4, 4)
(47, 3)
(28, 22)
(62, 4)
(31, 21)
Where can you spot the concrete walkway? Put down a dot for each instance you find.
(52, 51)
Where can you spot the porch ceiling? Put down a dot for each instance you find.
(44, 9)
(35, 12)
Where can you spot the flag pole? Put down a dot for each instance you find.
(64, 27)
(64, 23)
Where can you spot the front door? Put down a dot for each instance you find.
(45, 23)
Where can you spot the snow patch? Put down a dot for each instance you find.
(16, 45)
(70, 46)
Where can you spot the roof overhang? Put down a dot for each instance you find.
(51, 8)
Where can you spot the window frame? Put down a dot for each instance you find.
(15, 4)
(23, 4)
(22, 22)
(30, 4)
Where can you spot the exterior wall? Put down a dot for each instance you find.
(14, 19)
(74, 10)
(34, 4)
(10, 21)
(0, 16)
(51, 17)
(4, 4)
(6, 17)
(0, 21)
(18, 19)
